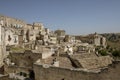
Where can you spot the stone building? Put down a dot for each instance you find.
(16, 26)
(32, 35)
(47, 31)
(39, 28)
(29, 27)
(11, 38)
(45, 39)
(2, 44)
(99, 40)
(95, 39)
(85, 48)
(69, 68)
(52, 40)
(60, 35)
(12, 22)
(69, 38)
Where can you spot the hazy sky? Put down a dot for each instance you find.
(75, 16)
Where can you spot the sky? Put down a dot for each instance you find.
(77, 17)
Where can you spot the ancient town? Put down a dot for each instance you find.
(34, 52)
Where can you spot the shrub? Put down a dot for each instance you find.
(103, 52)
(116, 53)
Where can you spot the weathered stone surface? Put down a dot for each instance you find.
(84, 55)
(55, 73)
(94, 63)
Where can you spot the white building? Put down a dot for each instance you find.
(52, 40)
(10, 37)
(2, 44)
(32, 35)
(99, 40)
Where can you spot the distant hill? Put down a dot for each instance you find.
(113, 40)
(113, 37)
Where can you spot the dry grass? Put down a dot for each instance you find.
(114, 45)
(18, 49)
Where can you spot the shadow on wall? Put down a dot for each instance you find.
(31, 75)
(2, 70)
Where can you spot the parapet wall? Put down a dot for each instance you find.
(55, 73)
(84, 55)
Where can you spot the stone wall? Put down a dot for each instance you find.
(83, 55)
(25, 59)
(55, 73)
(94, 63)
(5, 77)
(91, 61)
(46, 54)
(2, 45)
(16, 69)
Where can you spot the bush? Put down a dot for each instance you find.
(116, 53)
(103, 52)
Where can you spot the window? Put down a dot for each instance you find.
(15, 41)
(9, 38)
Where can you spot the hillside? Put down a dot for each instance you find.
(113, 40)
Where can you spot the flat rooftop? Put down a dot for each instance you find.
(64, 62)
